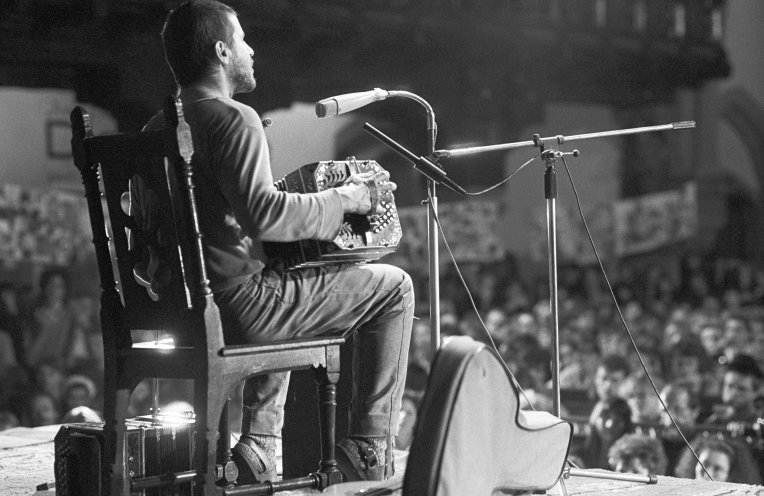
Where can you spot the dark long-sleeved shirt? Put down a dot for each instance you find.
(239, 206)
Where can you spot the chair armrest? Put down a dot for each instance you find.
(294, 344)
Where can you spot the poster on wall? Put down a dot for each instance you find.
(471, 228)
(651, 221)
(573, 245)
(622, 228)
(41, 227)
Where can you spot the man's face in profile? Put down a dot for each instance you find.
(241, 71)
(738, 390)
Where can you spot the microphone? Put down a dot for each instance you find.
(422, 164)
(336, 105)
(267, 122)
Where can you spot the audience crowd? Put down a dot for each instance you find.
(698, 325)
(699, 329)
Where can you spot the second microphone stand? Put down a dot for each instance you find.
(550, 194)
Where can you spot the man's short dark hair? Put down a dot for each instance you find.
(615, 363)
(745, 365)
(189, 36)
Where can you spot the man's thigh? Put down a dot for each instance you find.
(329, 300)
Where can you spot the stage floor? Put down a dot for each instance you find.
(26, 461)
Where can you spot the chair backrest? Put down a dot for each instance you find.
(147, 238)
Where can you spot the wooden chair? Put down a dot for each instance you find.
(153, 278)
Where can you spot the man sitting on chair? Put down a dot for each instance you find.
(240, 208)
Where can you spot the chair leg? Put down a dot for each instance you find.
(208, 401)
(229, 471)
(114, 431)
(327, 399)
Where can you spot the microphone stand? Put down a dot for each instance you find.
(433, 255)
(348, 102)
(550, 194)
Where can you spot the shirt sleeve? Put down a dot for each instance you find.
(244, 170)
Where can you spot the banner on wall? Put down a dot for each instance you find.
(41, 227)
(651, 221)
(625, 227)
(573, 245)
(471, 228)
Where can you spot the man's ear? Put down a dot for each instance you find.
(222, 51)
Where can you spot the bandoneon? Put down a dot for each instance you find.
(362, 238)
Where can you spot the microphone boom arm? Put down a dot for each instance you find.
(560, 139)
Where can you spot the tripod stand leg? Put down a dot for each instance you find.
(559, 489)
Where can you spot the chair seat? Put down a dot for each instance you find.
(246, 349)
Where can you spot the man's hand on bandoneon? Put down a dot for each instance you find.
(362, 192)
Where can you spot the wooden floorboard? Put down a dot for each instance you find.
(27, 457)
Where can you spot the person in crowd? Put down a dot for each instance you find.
(7, 355)
(41, 409)
(12, 324)
(50, 338)
(420, 348)
(681, 402)
(79, 390)
(85, 351)
(711, 335)
(642, 400)
(724, 461)
(50, 377)
(683, 405)
(638, 454)
(611, 416)
(8, 420)
(684, 361)
(578, 361)
(737, 335)
(259, 301)
(742, 378)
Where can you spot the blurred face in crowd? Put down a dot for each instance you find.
(733, 299)
(717, 463)
(679, 403)
(738, 390)
(55, 289)
(50, 379)
(735, 334)
(42, 410)
(673, 333)
(9, 299)
(632, 466)
(711, 339)
(644, 404)
(77, 396)
(607, 383)
(685, 367)
(495, 322)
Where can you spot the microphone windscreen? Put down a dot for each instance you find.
(327, 108)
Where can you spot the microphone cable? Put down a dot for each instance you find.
(607, 282)
(623, 319)
(472, 300)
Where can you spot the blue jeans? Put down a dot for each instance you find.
(374, 300)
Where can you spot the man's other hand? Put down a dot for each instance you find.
(357, 193)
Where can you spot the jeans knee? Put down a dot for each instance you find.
(403, 281)
(407, 287)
